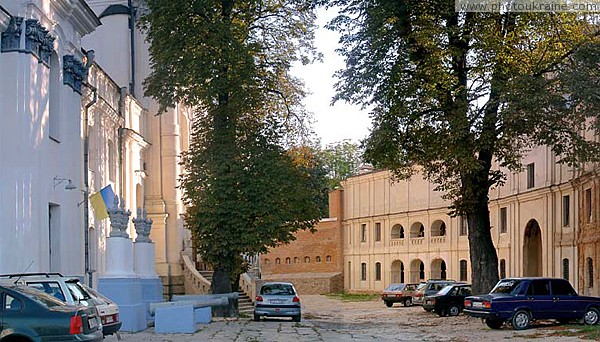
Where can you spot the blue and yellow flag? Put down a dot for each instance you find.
(101, 201)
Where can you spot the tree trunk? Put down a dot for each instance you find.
(221, 283)
(484, 260)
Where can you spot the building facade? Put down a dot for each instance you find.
(75, 120)
(544, 223)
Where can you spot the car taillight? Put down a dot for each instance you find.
(487, 304)
(296, 300)
(76, 325)
(419, 295)
(467, 302)
(259, 298)
(398, 295)
(384, 295)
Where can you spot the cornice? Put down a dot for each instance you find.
(4, 19)
(131, 135)
(82, 17)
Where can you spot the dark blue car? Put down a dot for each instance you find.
(518, 301)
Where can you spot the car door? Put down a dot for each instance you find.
(566, 302)
(539, 299)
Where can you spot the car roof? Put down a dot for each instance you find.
(276, 283)
(533, 278)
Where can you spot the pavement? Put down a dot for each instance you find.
(327, 319)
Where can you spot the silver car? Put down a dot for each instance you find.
(277, 299)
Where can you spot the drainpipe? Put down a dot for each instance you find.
(86, 186)
(132, 46)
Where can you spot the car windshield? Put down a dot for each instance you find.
(277, 289)
(395, 287)
(436, 286)
(421, 287)
(506, 286)
(445, 290)
(40, 296)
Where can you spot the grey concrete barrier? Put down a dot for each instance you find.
(228, 310)
(212, 302)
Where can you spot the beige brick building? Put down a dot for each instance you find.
(544, 223)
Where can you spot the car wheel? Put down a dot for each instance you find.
(256, 318)
(408, 301)
(591, 316)
(494, 323)
(521, 320)
(453, 310)
(296, 318)
(389, 304)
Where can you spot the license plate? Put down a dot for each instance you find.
(109, 319)
(477, 304)
(92, 323)
(276, 301)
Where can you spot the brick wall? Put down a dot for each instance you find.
(311, 283)
(314, 253)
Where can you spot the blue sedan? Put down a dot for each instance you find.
(519, 301)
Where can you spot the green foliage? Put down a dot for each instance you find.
(354, 297)
(462, 97)
(341, 160)
(229, 60)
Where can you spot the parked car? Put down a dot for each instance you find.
(27, 314)
(449, 300)
(432, 286)
(519, 301)
(73, 292)
(277, 299)
(398, 293)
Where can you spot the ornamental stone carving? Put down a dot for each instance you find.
(11, 37)
(38, 41)
(119, 218)
(74, 72)
(142, 226)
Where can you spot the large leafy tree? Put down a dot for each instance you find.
(461, 97)
(341, 160)
(229, 60)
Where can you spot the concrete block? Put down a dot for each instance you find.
(175, 319)
(203, 315)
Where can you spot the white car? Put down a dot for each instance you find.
(71, 291)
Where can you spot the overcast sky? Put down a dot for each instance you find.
(342, 121)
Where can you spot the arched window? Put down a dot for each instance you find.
(566, 268)
(318, 259)
(328, 258)
(278, 261)
(463, 270)
(296, 260)
(288, 260)
(306, 259)
(378, 271)
(590, 266)
(397, 232)
(502, 268)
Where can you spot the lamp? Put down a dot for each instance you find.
(69, 186)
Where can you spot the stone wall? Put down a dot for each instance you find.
(311, 283)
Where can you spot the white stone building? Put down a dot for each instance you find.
(73, 122)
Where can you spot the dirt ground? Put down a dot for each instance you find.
(330, 313)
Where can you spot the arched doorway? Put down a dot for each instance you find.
(532, 250)
(417, 271)
(438, 269)
(397, 271)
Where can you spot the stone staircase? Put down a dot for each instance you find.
(245, 303)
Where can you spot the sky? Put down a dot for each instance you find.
(341, 121)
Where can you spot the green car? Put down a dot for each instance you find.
(27, 314)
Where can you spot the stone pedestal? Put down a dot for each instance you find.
(144, 269)
(128, 294)
(119, 262)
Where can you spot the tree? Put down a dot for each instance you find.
(461, 96)
(229, 60)
(341, 160)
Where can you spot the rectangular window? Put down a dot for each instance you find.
(363, 232)
(503, 222)
(530, 175)
(502, 268)
(566, 214)
(566, 268)
(588, 205)
(363, 271)
(463, 225)
(378, 271)
(463, 270)
(377, 231)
